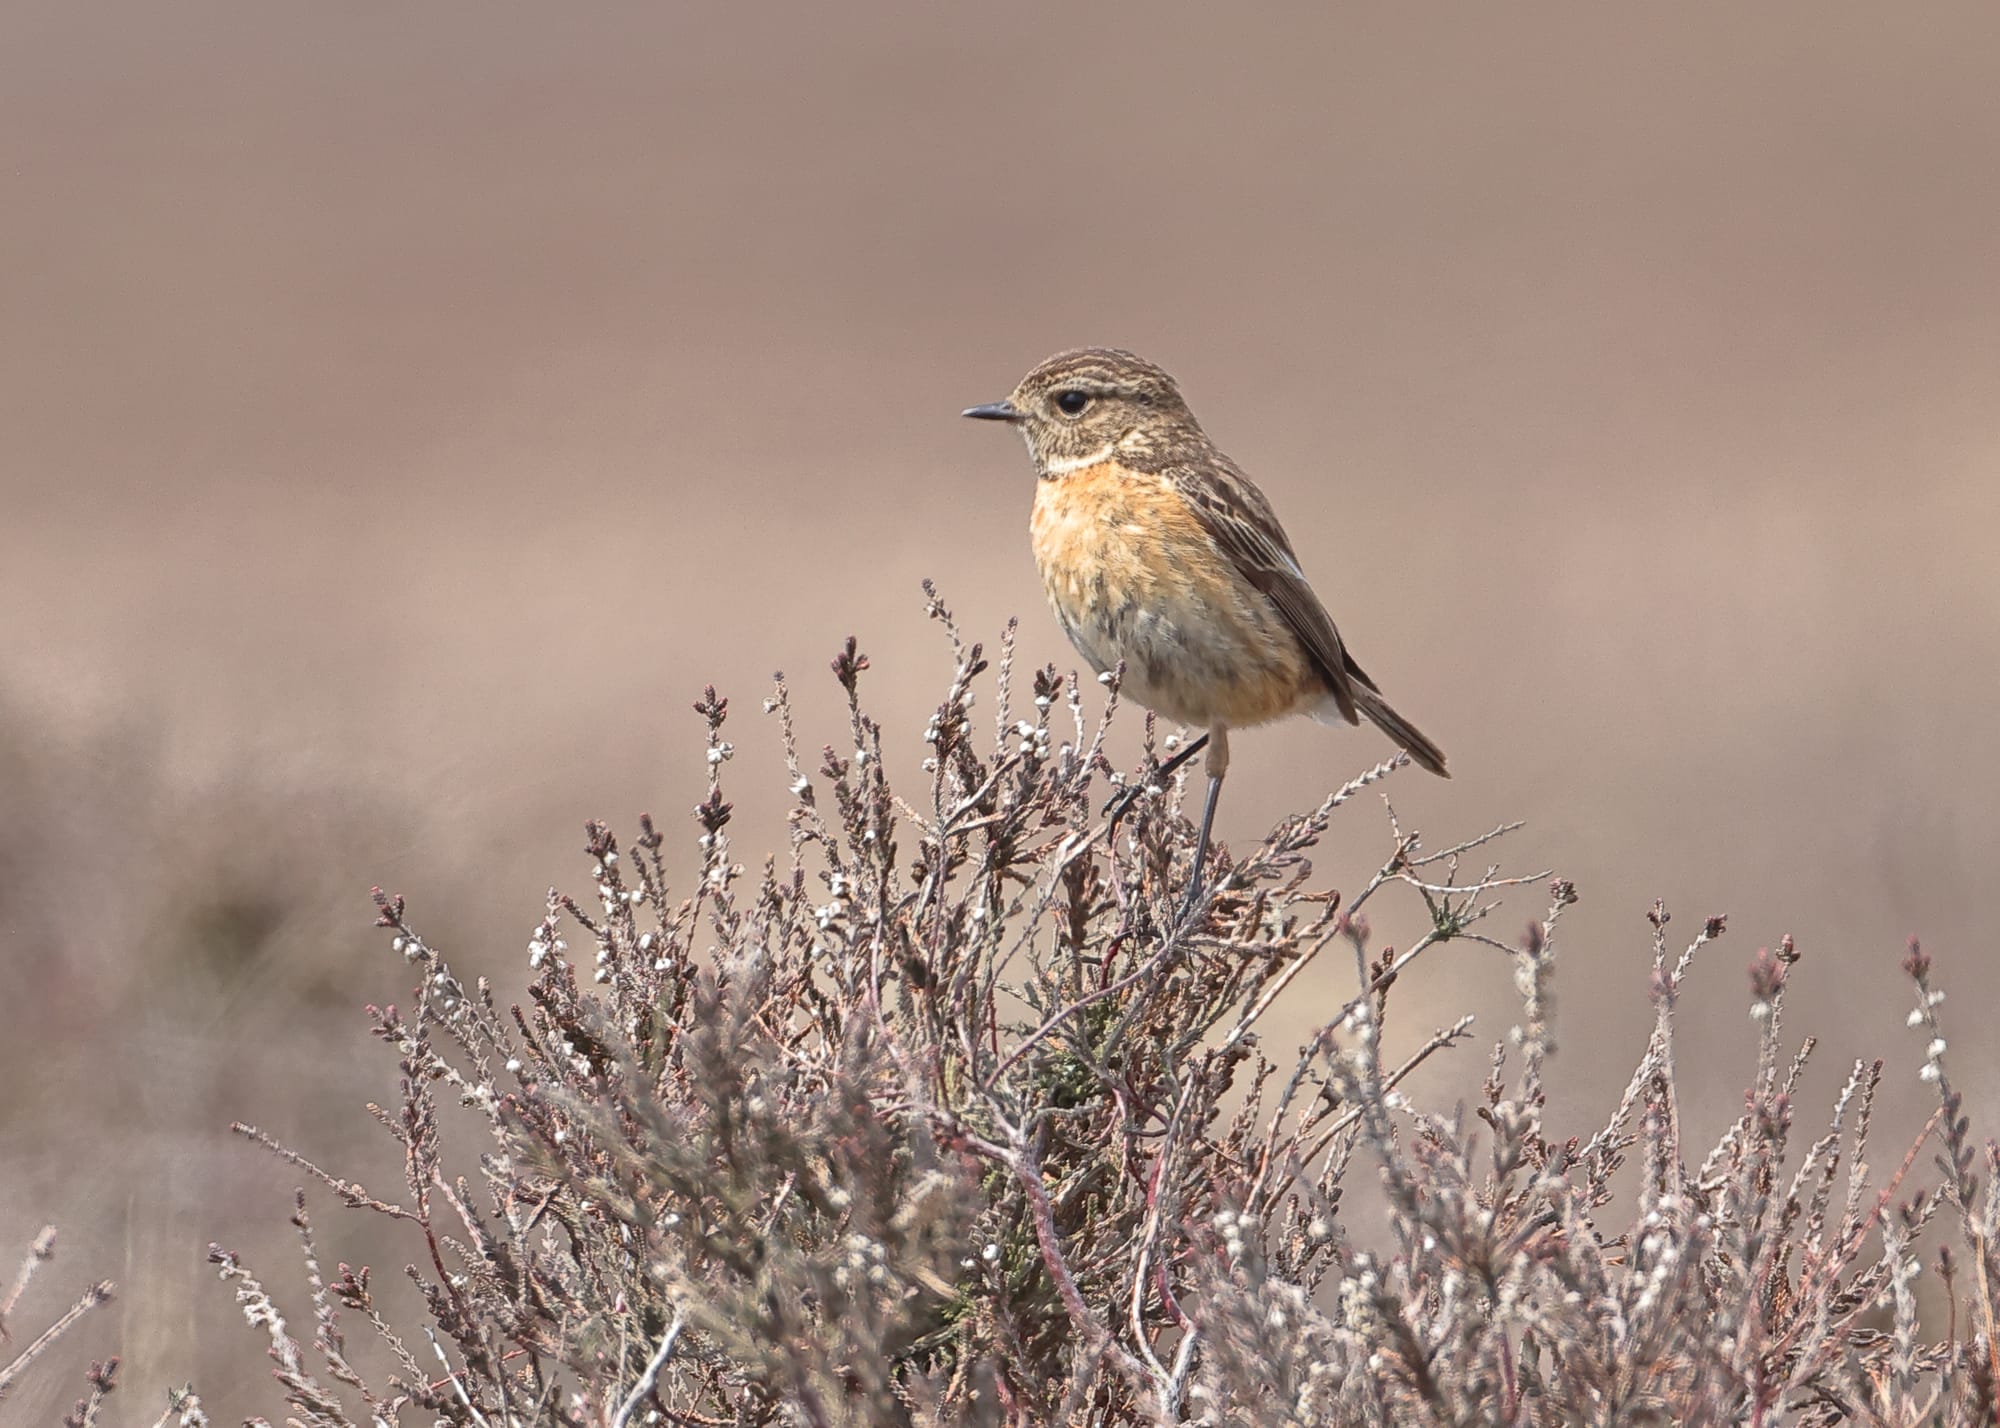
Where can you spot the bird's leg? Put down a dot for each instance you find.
(1115, 809)
(1218, 765)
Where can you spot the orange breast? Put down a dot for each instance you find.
(1133, 576)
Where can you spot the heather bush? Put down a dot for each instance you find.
(938, 1116)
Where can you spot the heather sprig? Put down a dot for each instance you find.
(938, 1115)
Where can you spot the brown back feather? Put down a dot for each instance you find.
(1239, 519)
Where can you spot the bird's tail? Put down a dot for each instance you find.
(1406, 734)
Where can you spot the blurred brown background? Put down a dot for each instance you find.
(406, 409)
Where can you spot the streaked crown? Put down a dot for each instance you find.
(1096, 402)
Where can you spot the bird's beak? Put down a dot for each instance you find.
(994, 411)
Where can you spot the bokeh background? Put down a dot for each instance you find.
(404, 410)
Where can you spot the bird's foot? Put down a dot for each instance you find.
(1121, 803)
(1195, 901)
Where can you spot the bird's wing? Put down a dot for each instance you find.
(1242, 524)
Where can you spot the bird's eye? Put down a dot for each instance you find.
(1072, 402)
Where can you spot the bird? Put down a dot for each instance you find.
(1159, 554)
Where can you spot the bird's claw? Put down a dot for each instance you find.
(1123, 800)
(1194, 901)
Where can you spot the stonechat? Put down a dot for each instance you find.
(1157, 550)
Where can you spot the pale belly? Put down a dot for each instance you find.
(1132, 576)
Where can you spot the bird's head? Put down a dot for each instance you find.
(1079, 408)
